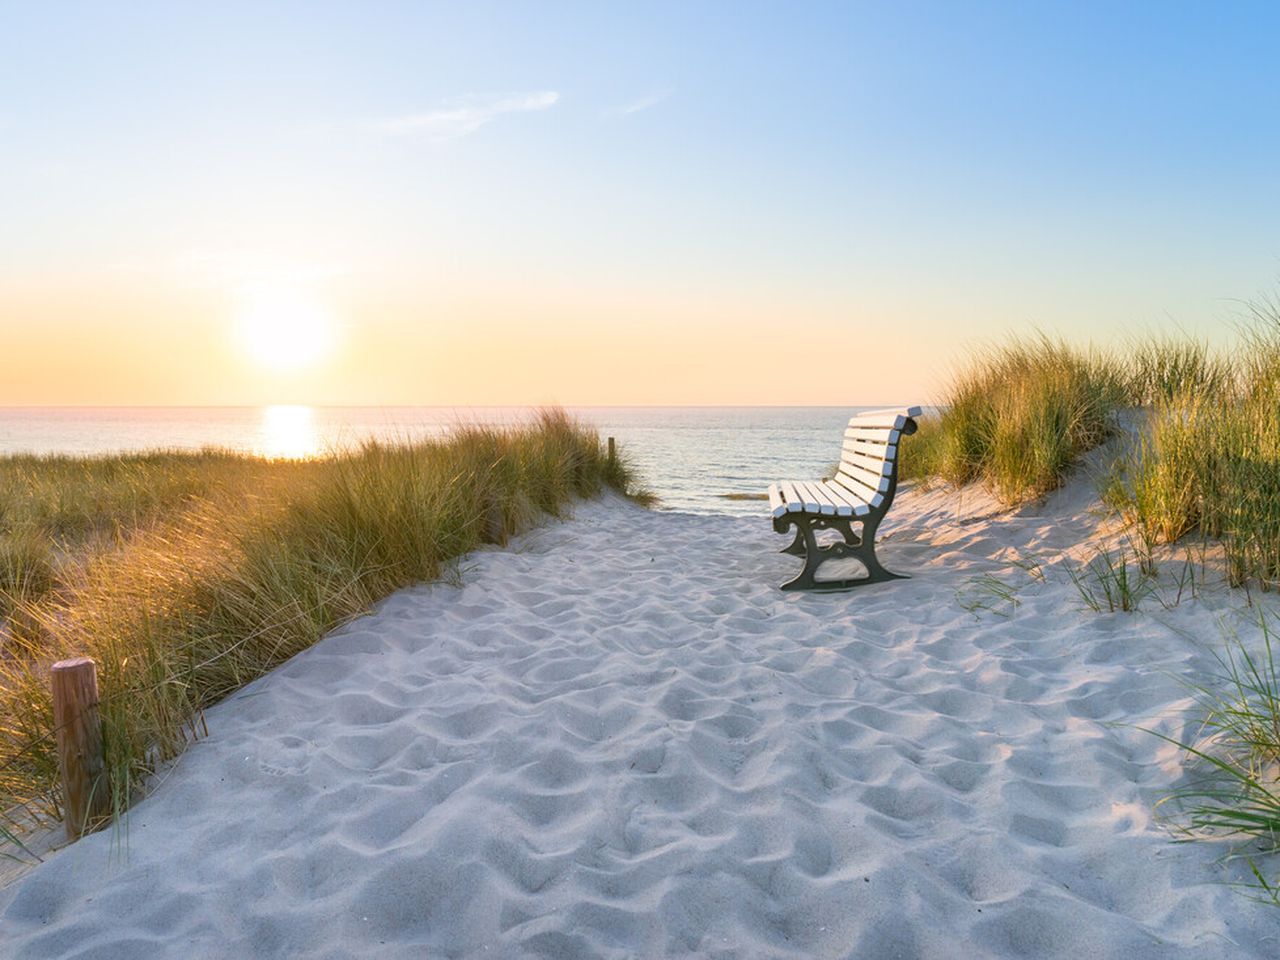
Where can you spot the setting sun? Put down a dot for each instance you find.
(285, 330)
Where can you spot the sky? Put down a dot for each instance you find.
(607, 203)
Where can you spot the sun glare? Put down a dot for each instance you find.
(284, 330)
(288, 432)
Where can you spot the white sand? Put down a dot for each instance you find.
(620, 739)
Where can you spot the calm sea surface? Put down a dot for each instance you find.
(689, 456)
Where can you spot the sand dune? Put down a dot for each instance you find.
(618, 739)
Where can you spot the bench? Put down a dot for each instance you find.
(861, 492)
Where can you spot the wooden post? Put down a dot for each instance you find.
(79, 733)
(612, 451)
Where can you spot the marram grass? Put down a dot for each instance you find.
(185, 576)
(1209, 457)
(1018, 416)
(1232, 792)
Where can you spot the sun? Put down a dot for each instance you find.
(285, 330)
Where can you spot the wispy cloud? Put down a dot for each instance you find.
(449, 123)
(640, 103)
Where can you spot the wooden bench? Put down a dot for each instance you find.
(861, 492)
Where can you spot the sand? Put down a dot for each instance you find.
(617, 738)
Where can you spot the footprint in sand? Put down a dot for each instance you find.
(291, 758)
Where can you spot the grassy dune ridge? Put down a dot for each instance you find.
(1207, 459)
(185, 576)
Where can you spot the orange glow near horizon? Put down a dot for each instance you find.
(312, 333)
(295, 335)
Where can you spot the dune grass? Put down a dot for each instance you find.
(185, 576)
(1233, 792)
(1016, 417)
(1160, 369)
(1208, 459)
(1112, 582)
(56, 509)
(27, 570)
(74, 498)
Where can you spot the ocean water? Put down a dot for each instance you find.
(691, 457)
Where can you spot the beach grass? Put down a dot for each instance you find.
(1233, 791)
(1208, 458)
(1016, 417)
(1163, 368)
(27, 569)
(1112, 582)
(186, 576)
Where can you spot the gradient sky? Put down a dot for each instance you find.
(599, 203)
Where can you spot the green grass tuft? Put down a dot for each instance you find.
(1162, 369)
(1234, 792)
(1017, 417)
(1210, 457)
(1111, 582)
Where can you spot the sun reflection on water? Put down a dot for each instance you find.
(288, 432)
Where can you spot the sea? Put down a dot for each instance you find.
(696, 459)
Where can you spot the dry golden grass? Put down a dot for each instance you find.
(185, 576)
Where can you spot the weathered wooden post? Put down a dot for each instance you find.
(79, 733)
(612, 452)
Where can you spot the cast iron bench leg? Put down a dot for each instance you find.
(862, 548)
(796, 547)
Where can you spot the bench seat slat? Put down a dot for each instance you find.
(866, 448)
(876, 481)
(788, 495)
(894, 411)
(795, 503)
(887, 421)
(777, 506)
(873, 497)
(811, 503)
(824, 502)
(839, 506)
(872, 434)
(814, 490)
(879, 465)
(817, 496)
(841, 495)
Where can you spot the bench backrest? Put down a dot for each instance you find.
(869, 458)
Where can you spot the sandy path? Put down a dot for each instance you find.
(619, 739)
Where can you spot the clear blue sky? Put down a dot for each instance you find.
(518, 180)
